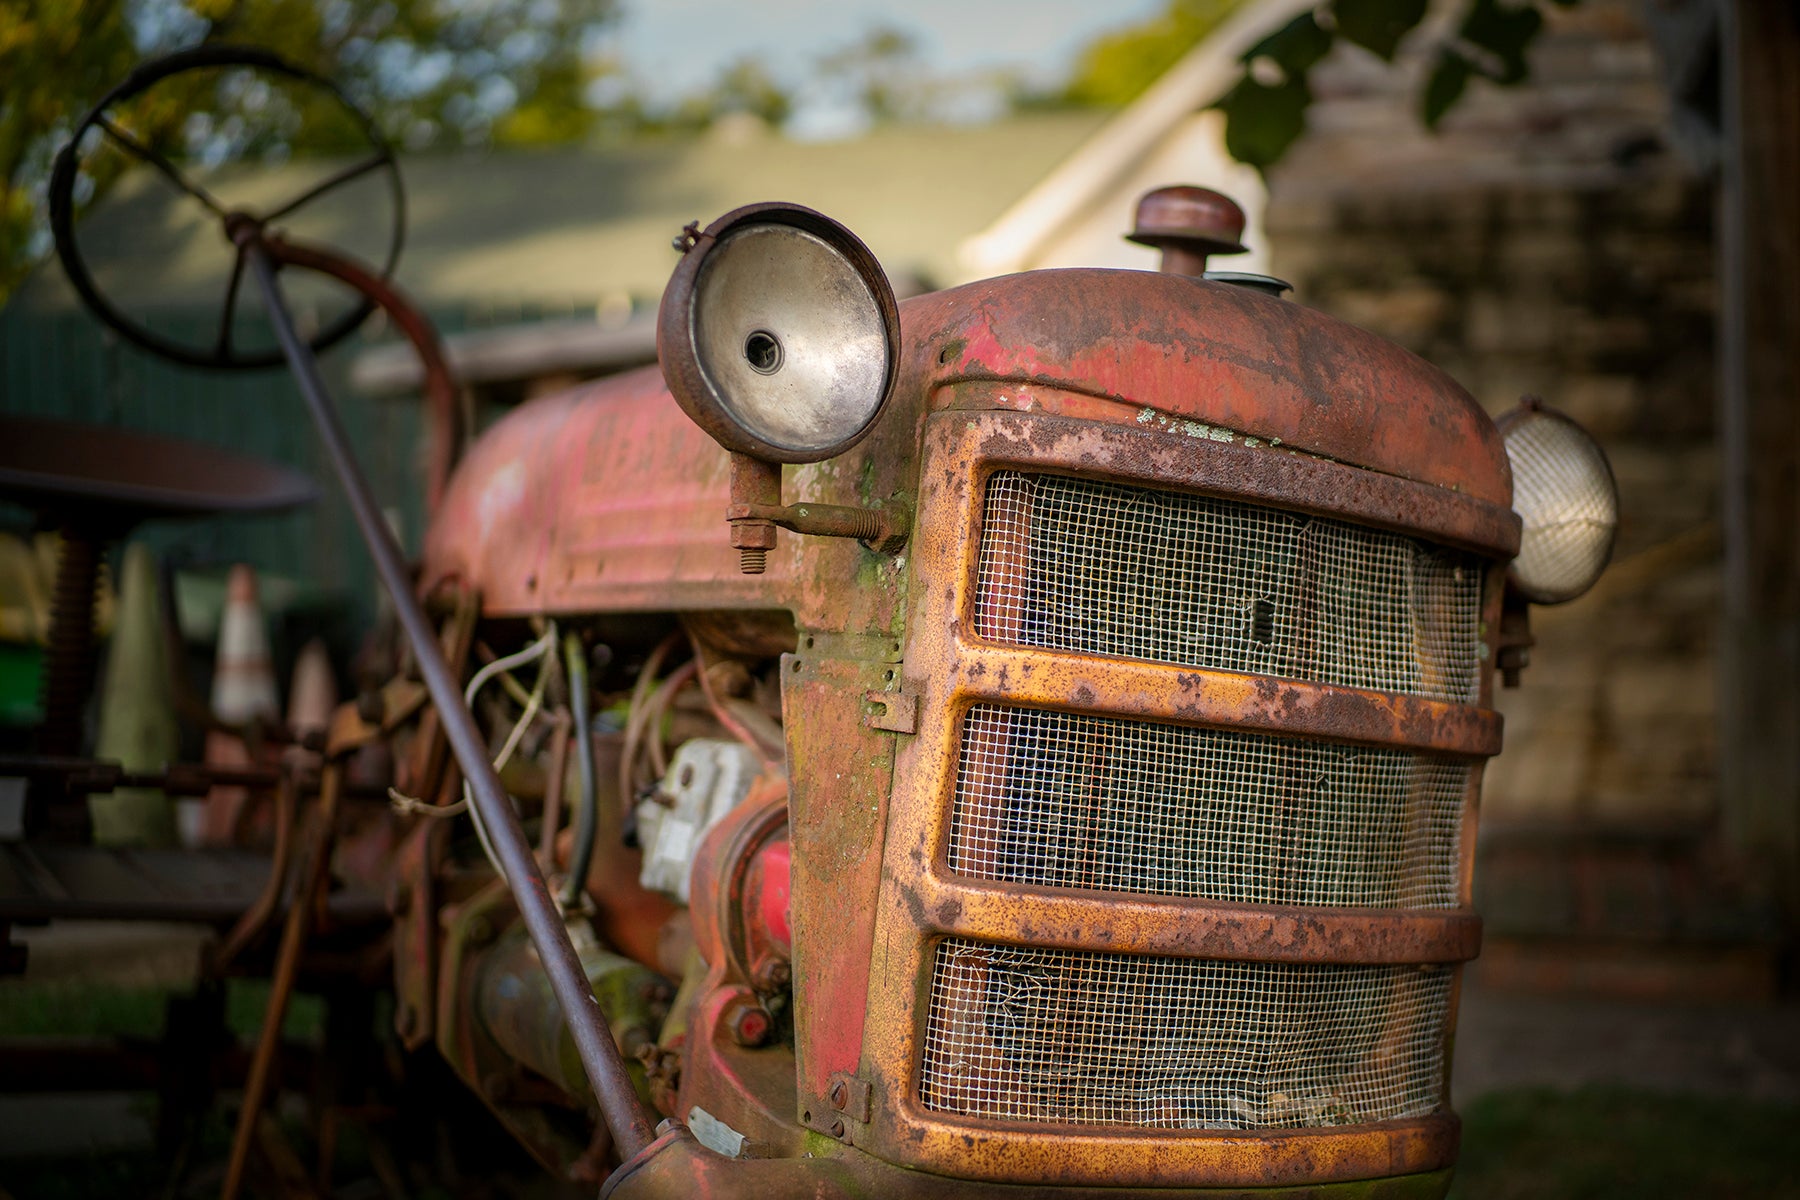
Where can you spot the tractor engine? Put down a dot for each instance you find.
(1025, 737)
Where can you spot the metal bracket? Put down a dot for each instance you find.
(756, 510)
(896, 712)
(850, 1096)
(1515, 641)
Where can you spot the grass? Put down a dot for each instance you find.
(1526, 1144)
(116, 1173)
(1597, 1143)
(1603, 1143)
(76, 1008)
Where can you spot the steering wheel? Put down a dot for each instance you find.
(221, 352)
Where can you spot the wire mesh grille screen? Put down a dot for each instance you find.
(1067, 800)
(1071, 564)
(1165, 1043)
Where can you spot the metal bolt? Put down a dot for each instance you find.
(837, 1129)
(840, 1095)
(773, 974)
(753, 539)
(750, 1026)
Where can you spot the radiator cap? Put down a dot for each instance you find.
(1188, 224)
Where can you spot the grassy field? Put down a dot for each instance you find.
(1519, 1145)
(1619, 1144)
(1522, 1144)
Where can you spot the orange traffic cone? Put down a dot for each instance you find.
(243, 693)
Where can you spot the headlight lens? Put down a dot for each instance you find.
(779, 334)
(1564, 493)
(790, 335)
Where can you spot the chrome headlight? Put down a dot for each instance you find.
(778, 334)
(1564, 493)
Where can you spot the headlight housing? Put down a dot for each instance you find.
(779, 334)
(1564, 493)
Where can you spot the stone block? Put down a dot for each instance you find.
(1606, 405)
(1506, 323)
(1571, 652)
(1539, 777)
(1539, 255)
(1588, 334)
(1638, 690)
(1405, 313)
(1500, 381)
(1679, 788)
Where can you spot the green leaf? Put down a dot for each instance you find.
(1504, 32)
(1261, 122)
(1263, 119)
(1296, 46)
(1448, 78)
(1378, 25)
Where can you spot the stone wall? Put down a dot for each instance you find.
(1601, 303)
(1549, 241)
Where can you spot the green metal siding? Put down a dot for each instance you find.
(66, 365)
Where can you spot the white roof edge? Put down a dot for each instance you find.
(1199, 78)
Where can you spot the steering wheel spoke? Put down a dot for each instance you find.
(168, 169)
(223, 347)
(352, 172)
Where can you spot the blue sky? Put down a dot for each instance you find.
(678, 46)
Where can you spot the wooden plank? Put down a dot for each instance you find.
(99, 883)
(1760, 438)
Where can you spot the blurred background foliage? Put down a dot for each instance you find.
(1117, 68)
(445, 74)
(435, 73)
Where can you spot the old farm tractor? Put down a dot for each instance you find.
(1023, 740)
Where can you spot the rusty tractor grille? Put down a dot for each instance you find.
(1071, 564)
(1075, 801)
(1109, 1039)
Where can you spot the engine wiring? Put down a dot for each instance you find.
(656, 710)
(533, 704)
(736, 727)
(587, 814)
(651, 700)
(647, 708)
(636, 719)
